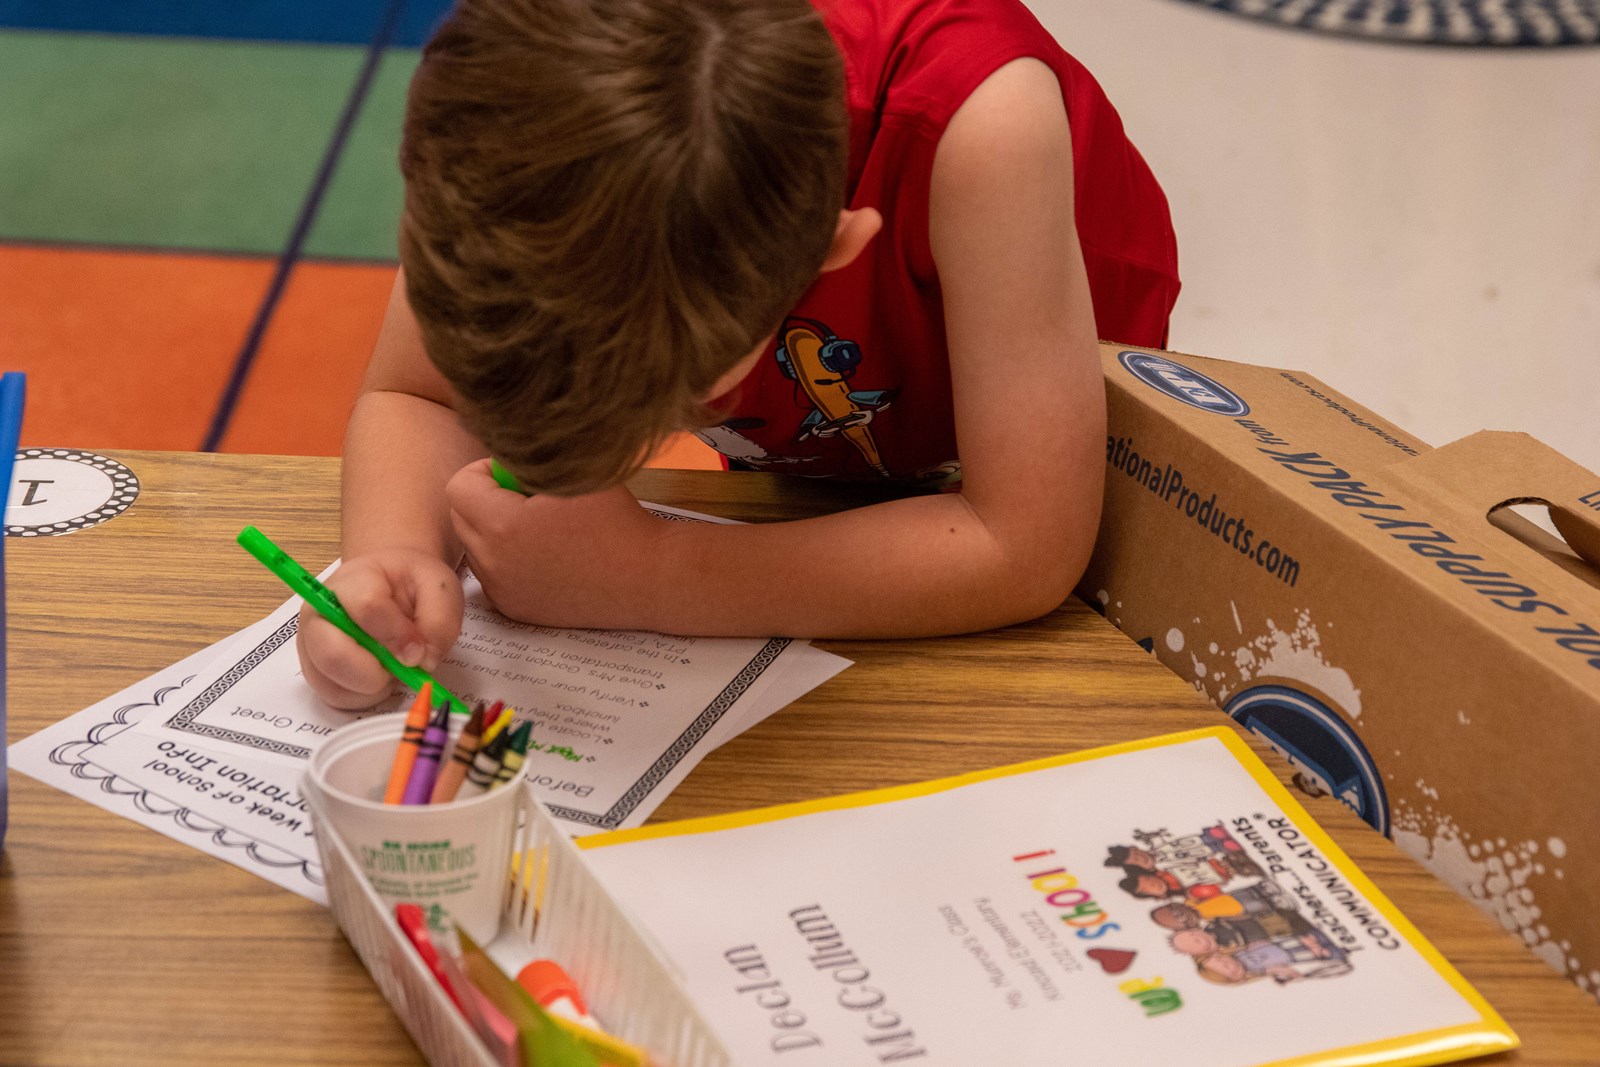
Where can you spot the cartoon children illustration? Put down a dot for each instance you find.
(1264, 896)
(1223, 969)
(1227, 854)
(1130, 856)
(1209, 858)
(1239, 931)
(1285, 947)
(1235, 933)
(1161, 883)
(1176, 915)
(1268, 959)
(1150, 885)
(1193, 942)
(821, 366)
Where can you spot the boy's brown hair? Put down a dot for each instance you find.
(608, 204)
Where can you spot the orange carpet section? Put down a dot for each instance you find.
(134, 350)
(123, 349)
(309, 367)
(686, 452)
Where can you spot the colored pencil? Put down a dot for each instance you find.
(405, 756)
(516, 751)
(426, 769)
(444, 790)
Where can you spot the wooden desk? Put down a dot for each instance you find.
(118, 945)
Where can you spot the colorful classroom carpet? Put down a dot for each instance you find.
(1506, 23)
(198, 205)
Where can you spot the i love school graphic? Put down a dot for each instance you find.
(1157, 913)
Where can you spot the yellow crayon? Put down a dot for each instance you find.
(497, 718)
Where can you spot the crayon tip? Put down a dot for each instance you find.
(422, 704)
(405, 755)
(498, 746)
(521, 736)
(495, 720)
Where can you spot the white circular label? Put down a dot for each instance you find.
(60, 490)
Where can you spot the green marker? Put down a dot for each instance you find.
(327, 605)
(505, 479)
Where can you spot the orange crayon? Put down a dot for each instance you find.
(405, 756)
(444, 790)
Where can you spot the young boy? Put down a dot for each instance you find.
(838, 240)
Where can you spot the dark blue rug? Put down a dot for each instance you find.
(1501, 23)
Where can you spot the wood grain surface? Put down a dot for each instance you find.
(119, 945)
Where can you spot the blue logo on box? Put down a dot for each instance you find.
(1328, 758)
(1181, 383)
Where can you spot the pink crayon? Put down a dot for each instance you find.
(419, 787)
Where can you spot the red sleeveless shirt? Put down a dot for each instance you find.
(857, 382)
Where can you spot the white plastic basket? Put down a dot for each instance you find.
(557, 905)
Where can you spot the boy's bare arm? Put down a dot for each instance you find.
(1029, 416)
(402, 444)
(399, 552)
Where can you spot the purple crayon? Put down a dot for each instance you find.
(419, 787)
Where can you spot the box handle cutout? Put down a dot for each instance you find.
(1577, 548)
(1493, 471)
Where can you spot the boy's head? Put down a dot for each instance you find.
(609, 204)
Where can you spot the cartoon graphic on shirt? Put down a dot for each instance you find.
(726, 439)
(821, 364)
(946, 476)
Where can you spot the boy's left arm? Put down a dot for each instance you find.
(1030, 421)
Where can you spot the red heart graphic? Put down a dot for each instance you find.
(1112, 960)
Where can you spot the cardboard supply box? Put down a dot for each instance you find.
(1339, 587)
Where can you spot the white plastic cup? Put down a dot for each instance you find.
(455, 855)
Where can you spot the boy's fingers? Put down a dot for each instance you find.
(478, 503)
(438, 603)
(344, 674)
(377, 607)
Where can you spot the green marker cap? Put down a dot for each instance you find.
(504, 478)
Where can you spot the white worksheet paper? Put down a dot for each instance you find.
(618, 717)
(98, 756)
(210, 751)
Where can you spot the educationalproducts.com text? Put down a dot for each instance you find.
(1168, 483)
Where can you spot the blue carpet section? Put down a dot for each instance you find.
(1503, 23)
(312, 21)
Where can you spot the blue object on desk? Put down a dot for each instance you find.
(11, 390)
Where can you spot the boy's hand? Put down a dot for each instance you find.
(409, 601)
(574, 561)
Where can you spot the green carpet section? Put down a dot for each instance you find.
(176, 143)
(362, 207)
